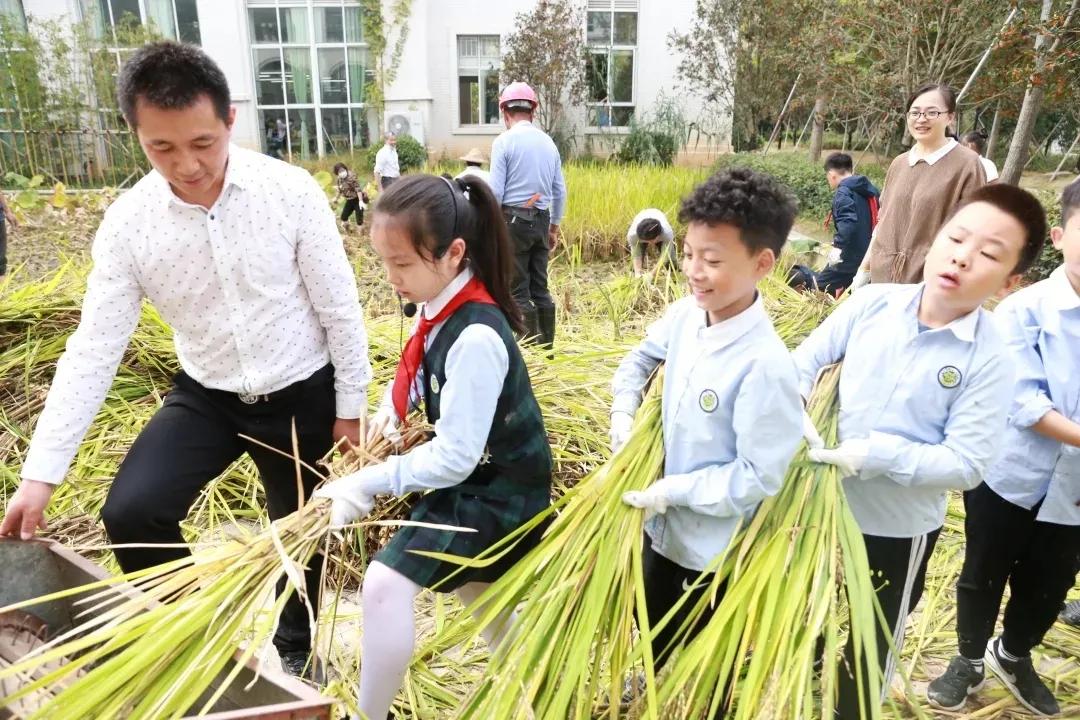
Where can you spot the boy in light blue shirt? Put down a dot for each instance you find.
(731, 411)
(924, 390)
(1023, 523)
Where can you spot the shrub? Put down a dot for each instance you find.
(1050, 257)
(411, 154)
(806, 179)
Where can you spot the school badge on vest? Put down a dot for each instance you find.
(434, 384)
(708, 401)
(949, 377)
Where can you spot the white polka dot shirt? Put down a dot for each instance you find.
(257, 289)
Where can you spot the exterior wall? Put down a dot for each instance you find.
(426, 81)
(224, 30)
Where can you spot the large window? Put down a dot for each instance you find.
(13, 13)
(175, 19)
(611, 34)
(311, 67)
(478, 79)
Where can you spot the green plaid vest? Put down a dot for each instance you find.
(517, 459)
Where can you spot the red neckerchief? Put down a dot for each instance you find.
(413, 355)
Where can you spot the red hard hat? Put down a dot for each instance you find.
(518, 94)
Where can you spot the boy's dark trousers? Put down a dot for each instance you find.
(529, 235)
(190, 441)
(1039, 560)
(665, 583)
(898, 567)
(3, 245)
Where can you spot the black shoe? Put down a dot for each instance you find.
(950, 691)
(545, 318)
(1022, 680)
(1071, 614)
(304, 665)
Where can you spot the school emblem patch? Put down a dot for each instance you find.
(708, 401)
(949, 377)
(434, 384)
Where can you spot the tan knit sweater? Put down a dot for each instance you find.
(915, 203)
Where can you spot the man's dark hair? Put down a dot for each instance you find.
(976, 138)
(841, 162)
(1070, 201)
(649, 229)
(760, 206)
(171, 76)
(1024, 207)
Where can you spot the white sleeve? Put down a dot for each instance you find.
(476, 367)
(330, 283)
(86, 370)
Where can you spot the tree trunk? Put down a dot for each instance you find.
(817, 136)
(1029, 110)
(995, 130)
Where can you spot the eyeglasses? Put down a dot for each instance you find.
(928, 114)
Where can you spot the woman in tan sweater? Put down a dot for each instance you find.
(922, 187)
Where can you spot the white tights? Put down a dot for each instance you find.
(387, 598)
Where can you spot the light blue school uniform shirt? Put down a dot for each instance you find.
(525, 162)
(732, 419)
(1041, 324)
(932, 402)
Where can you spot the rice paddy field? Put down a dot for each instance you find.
(602, 311)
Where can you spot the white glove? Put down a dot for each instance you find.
(809, 430)
(861, 278)
(652, 500)
(621, 424)
(849, 456)
(833, 256)
(354, 495)
(385, 422)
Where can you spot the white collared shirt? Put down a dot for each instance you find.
(913, 157)
(732, 419)
(476, 367)
(386, 162)
(257, 290)
(931, 402)
(1042, 326)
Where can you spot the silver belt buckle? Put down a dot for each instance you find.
(248, 399)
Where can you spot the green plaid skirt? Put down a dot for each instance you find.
(490, 514)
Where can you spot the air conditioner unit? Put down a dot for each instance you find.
(406, 122)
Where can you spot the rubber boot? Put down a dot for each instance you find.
(546, 320)
(531, 335)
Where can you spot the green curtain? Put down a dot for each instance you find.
(357, 75)
(298, 75)
(161, 15)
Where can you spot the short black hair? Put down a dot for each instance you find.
(1024, 207)
(840, 161)
(758, 204)
(649, 229)
(172, 76)
(1070, 201)
(338, 167)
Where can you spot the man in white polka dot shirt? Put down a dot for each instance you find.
(240, 254)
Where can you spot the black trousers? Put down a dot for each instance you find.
(352, 206)
(529, 235)
(665, 584)
(386, 182)
(3, 245)
(1039, 560)
(191, 440)
(898, 566)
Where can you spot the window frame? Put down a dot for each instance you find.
(483, 75)
(313, 45)
(610, 49)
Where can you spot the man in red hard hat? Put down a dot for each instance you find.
(526, 177)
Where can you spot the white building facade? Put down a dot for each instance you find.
(298, 68)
